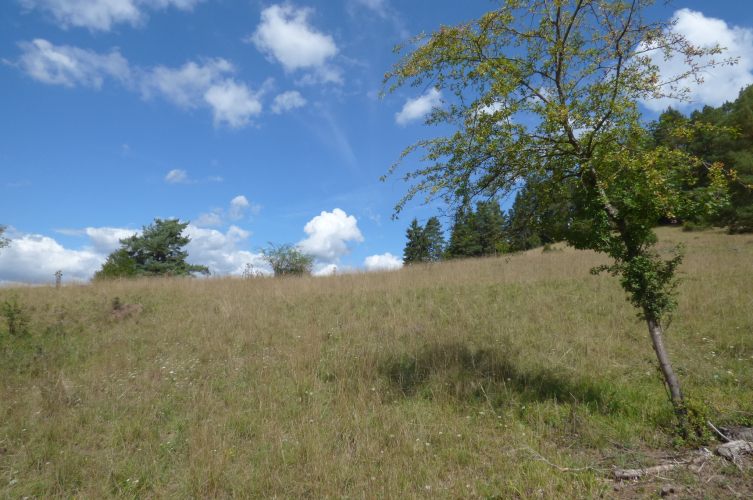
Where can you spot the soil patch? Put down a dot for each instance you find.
(127, 310)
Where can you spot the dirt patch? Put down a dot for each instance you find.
(127, 310)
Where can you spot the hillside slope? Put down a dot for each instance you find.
(453, 380)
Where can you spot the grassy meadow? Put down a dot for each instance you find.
(467, 379)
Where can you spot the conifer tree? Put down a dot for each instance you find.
(465, 240)
(522, 222)
(157, 252)
(490, 225)
(434, 239)
(416, 248)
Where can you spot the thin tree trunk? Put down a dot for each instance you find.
(657, 337)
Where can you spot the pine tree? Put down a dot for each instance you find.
(157, 252)
(521, 229)
(465, 240)
(490, 224)
(416, 248)
(434, 239)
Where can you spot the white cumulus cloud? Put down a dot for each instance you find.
(415, 109)
(102, 14)
(107, 239)
(233, 103)
(238, 206)
(185, 86)
(722, 83)
(328, 270)
(288, 101)
(328, 234)
(208, 220)
(35, 258)
(71, 66)
(386, 262)
(206, 84)
(286, 36)
(222, 252)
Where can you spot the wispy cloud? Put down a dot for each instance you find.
(178, 176)
(71, 232)
(101, 15)
(18, 184)
(237, 210)
(207, 83)
(287, 101)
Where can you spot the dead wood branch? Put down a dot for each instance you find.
(623, 474)
(732, 450)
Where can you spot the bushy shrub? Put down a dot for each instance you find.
(690, 226)
(287, 259)
(16, 318)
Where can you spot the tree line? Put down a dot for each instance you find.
(727, 138)
(486, 231)
(540, 216)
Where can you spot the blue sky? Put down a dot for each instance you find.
(257, 121)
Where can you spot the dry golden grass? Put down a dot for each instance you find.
(434, 381)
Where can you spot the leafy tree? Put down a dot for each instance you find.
(416, 249)
(434, 240)
(157, 252)
(733, 148)
(119, 264)
(546, 92)
(287, 259)
(4, 242)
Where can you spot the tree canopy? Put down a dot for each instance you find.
(415, 247)
(287, 259)
(478, 234)
(733, 147)
(4, 242)
(425, 243)
(157, 252)
(546, 92)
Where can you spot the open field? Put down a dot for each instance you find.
(439, 381)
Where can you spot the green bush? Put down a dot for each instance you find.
(15, 317)
(287, 259)
(690, 226)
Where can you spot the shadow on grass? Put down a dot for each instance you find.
(490, 374)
